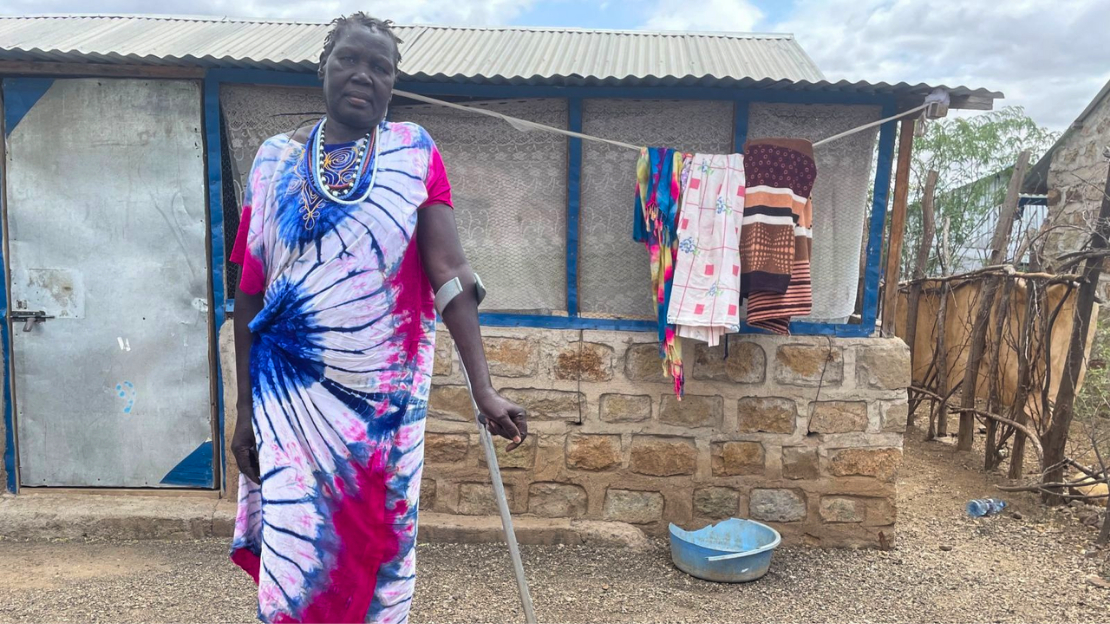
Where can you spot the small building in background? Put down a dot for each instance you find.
(1072, 174)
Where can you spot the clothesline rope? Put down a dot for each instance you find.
(527, 126)
(520, 124)
(871, 125)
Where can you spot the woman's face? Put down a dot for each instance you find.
(358, 77)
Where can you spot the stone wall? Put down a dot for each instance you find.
(804, 433)
(1076, 179)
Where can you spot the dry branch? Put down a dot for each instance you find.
(978, 412)
(920, 263)
(1056, 438)
(999, 244)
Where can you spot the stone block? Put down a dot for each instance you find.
(881, 512)
(445, 354)
(551, 454)
(476, 499)
(838, 509)
(593, 452)
(768, 415)
(883, 366)
(445, 448)
(557, 500)
(642, 363)
(746, 363)
(881, 464)
(511, 357)
(520, 458)
(633, 507)
(692, 411)
(547, 404)
(586, 362)
(894, 416)
(619, 408)
(663, 457)
(716, 503)
(427, 494)
(450, 403)
(800, 462)
(738, 458)
(778, 506)
(838, 416)
(809, 365)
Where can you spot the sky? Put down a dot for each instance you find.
(1049, 57)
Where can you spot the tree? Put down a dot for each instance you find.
(974, 157)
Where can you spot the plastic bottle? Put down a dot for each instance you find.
(981, 507)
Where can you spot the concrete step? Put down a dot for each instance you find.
(167, 517)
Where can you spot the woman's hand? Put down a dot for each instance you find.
(243, 446)
(503, 417)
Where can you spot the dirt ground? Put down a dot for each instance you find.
(1038, 567)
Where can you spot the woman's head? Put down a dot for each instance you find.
(358, 67)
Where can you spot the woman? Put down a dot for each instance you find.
(346, 231)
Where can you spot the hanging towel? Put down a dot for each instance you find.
(705, 299)
(776, 235)
(658, 182)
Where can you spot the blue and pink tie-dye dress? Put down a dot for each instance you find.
(341, 369)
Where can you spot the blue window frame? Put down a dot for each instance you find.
(574, 95)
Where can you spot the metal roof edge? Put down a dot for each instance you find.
(229, 19)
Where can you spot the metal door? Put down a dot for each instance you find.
(109, 283)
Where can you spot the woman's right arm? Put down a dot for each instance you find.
(243, 445)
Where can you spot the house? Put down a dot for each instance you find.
(127, 142)
(980, 201)
(1073, 175)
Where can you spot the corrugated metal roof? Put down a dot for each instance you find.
(506, 54)
(501, 55)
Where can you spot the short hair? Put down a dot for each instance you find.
(358, 19)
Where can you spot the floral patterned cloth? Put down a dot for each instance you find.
(705, 296)
(658, 191)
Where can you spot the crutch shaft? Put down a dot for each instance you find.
(502, 502)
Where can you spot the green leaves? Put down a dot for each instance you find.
(974, 157)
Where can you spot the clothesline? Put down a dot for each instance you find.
(872, 124)
(527, 126)
(520, 124)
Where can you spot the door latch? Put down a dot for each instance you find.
(29, 318)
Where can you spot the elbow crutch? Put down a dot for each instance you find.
(443, 298)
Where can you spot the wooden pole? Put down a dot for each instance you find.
(1056, 438)
(938, 425)
(929, 230)
(897, 226)
(994, 402)
(1034, 294)
(999, 246)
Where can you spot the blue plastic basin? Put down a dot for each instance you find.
(733, 551)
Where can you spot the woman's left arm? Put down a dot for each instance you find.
(442, 256)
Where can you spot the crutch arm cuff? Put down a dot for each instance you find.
(453, 288)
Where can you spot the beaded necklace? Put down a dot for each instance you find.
(343, 191)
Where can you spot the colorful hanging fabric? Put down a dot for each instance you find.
(705, 302)
(777, 232)
(658, 191)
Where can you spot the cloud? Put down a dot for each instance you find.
(469, 12)
(711, 15)
(1050, 58)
